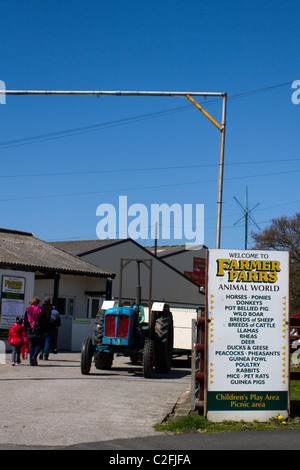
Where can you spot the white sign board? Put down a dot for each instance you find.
(12, 300)
(248, 335)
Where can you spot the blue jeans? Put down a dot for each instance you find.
(35, 345)
(48, 343)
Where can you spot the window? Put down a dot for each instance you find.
(65, 306)
(93, 306)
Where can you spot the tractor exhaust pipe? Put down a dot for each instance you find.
(138, 289)
(138, 295)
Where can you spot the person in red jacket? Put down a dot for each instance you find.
(16, 335)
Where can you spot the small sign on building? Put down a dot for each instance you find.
(248, 335)
(12, 300)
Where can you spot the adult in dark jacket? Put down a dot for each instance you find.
(47, 309)
(35, 324)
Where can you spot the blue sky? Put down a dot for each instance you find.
(61, 157)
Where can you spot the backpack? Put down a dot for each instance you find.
(54, 318)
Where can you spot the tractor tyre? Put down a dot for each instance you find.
(103, 360)
(163, 342)
(98, 328)
(86, 355)
(148, 359)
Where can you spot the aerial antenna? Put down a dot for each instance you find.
(247, 216)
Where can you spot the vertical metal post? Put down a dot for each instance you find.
(150, 286)
(193, 365)
(121, 281)
(198, 364)
(246, 221)
(138, 289)
(56, 289)
(221, 170)
(108, 290)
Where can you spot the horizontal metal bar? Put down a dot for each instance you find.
(199, 404)
(109, 93)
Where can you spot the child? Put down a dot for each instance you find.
(15, 339)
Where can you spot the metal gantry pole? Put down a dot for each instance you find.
(186, 94)
(110, 93)
(221, 172)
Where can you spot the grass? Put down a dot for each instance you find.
(294, 387)
(198, 423)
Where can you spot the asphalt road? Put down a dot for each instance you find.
(55, 405)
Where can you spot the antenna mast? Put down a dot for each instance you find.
(247, 216)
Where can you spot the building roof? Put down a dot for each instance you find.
(163, 251)
(78, 247)
(24, 251)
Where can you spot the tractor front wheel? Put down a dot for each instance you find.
(86, 355)
(163, 342)
(148, 358)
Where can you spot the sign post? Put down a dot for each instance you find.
(248, 335)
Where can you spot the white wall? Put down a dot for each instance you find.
(71, 286)
(167, 284)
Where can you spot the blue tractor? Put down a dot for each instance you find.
(123, 330)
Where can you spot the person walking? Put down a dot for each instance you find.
(15, 340)
(55, 325)
(47, 308)
(35, 324)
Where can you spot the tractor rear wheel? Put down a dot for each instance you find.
(98, 328)
(86, 355)
(148, 359)
(103, 360)
(163, 342)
